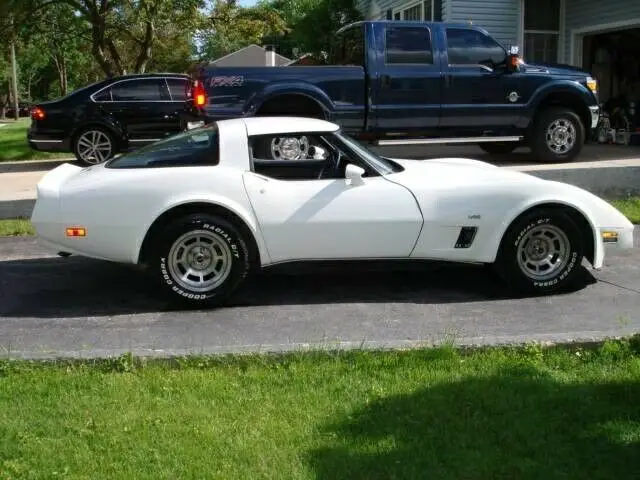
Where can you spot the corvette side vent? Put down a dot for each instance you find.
(466, 236)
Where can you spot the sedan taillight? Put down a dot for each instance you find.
(37, 113)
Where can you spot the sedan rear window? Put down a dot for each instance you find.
(194, 148)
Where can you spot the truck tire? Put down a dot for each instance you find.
(498, 148)
(558, 135)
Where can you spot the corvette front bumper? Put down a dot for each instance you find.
(612, 239)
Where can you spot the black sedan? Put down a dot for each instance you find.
(115, 115)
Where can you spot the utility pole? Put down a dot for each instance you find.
(14, 73)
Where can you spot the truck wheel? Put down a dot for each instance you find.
(498, 148)
(558, 135)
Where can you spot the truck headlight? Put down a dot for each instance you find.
(592, 84)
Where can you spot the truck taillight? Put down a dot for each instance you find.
(37, 113)
(198, 93)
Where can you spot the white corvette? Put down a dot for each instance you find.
(204, 208)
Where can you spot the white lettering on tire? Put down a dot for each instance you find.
(195, 296)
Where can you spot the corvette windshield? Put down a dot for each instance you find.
(383, 165)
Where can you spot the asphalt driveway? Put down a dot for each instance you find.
(52, 306)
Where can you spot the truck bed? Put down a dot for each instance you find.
(238, 91)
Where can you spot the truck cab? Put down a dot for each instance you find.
(407, 82)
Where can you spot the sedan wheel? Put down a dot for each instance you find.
(94, 146)
(201, 258)
(541, 252)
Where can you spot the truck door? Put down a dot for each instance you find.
(407, 84)
(475, 93)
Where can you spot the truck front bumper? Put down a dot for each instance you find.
(595, 115)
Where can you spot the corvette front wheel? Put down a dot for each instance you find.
(541, 252)
(201, 259)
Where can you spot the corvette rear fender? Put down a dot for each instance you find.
(594, 251)
(231, 210)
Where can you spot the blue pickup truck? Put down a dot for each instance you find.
(397, 82)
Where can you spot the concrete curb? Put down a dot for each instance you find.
(34, 165)
(609, 182)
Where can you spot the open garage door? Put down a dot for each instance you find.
(614, 59)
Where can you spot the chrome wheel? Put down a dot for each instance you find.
(289, 148)
(543, 252)
(200, 260)
(94, 146)
(561, 136)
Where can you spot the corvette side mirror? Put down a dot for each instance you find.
(353, 174)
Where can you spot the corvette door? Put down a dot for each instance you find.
(332, 219)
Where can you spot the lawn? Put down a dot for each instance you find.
(13, 143)
(17, 226)
(442, 413)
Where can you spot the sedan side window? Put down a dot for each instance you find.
(178, 89)
(471, 47)
(148, 89)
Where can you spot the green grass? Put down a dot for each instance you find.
(434, 414)
(630, 207)
(16, 227)
(14, 146)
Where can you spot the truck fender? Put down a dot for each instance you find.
(562, 88)
(271, 91)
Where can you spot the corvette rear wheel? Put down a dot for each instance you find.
(201, 259)
(541, 252)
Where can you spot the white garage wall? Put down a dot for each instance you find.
(586, 14)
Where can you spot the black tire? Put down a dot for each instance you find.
(230, 244)
(498, 148)
(567, 273)
(86, 131)
(541, 148)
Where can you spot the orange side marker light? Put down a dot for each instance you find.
(76, 232)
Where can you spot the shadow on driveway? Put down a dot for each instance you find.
(79, 287)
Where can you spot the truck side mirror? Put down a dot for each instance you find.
(513, 58)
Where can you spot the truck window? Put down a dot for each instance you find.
(348, 47)
(408, 46)
(471, 47)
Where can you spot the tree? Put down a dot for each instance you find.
(231, 27)
(122, 33)
(312, 23)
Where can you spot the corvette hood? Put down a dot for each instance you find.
(459, 172)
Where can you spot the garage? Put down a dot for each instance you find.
(614, 59)
(604, 38)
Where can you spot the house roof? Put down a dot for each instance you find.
(249, 56)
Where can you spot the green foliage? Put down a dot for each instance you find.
(62, 45)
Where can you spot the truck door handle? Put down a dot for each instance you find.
(385, 80)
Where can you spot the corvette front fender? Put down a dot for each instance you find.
(530, 204)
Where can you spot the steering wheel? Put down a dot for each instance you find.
(331, 164)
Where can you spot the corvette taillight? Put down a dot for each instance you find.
(37, 113)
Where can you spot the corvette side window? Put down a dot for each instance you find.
(193, 148)
(297, 157)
